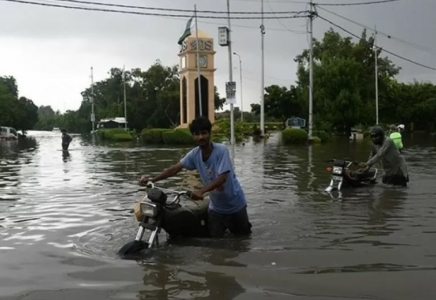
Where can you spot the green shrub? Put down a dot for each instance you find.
(316, 140)
(221, 130)
(294, 136)
(181, 136)
(153, 136)
(110, 133)
(269, 126)
(322, 135)
(122, 137)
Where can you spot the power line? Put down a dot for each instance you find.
(389, 36)
(352, 4)
(391, 53)
(175, 9)
(283, 25)
(152, 14)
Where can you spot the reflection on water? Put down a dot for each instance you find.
(64, 214)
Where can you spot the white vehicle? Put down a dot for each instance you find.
(8, 133)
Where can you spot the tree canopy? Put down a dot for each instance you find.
(153, 100)
(344, 88)
(15, 111)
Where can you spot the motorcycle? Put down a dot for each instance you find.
(177, 218)
(342, 176)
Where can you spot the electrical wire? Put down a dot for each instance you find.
(357, 3)
(152, 14)
(387, 51)
(175, 9)
(283, 25)
(389, 36)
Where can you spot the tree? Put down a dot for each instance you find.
(280, 103)
(219, 102)
(19, 113)
(344, 90)
(153, 97)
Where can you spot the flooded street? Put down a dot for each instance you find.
(63, 217)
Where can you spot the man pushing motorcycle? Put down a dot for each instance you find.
(227, 207)
(385, 151)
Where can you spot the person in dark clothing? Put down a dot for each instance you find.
(385, 151)
(66, 140)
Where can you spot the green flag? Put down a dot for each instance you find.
(187, 31)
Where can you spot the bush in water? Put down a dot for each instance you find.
(181, 136)
(322, 135)
(294, 136)
(316, 140)
(221, 130)
(116, 134)
(122, 137)
(153, 136)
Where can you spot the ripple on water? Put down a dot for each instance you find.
(82, 202)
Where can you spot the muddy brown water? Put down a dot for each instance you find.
(63, 216)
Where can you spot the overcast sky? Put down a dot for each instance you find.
(50, 50)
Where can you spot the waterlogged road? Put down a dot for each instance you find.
(63, 216)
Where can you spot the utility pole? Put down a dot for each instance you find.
(376, 75)
(262, 93)
(240, 72)
(232, 119)
(125, 102)
(311, 73)
(92, 100)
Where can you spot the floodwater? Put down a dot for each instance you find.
(63, 216)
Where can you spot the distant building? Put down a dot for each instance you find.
(112, 123)
(296, 122)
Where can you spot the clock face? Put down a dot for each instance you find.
(203, 61)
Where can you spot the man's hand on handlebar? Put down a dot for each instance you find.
(196, 195)
(364, 166)
(144, 180)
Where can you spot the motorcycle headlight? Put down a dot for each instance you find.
(149, 209)
(337, 170)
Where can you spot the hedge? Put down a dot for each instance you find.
(122, 137)
(153, 136)
(114, 134)
(179, 136)
(269, 125)
(294, 136)
(322, 135)
(316, 140)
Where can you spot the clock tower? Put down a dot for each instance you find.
(189, 91)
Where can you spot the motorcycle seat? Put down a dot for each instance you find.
(363, 175)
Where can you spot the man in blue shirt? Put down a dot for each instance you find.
(228, 207)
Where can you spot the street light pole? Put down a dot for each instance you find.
(232, 120)
(240, 72)
(262, 94)
(376, 76)
(311, 74)
(125, 98)
(92, 98)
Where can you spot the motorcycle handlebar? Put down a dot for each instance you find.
(346, 161)
(151, 185)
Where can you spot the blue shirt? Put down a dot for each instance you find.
(228, 198)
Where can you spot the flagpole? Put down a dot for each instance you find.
(198, 63)
(125, 106)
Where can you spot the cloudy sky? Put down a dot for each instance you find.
(50, 50)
